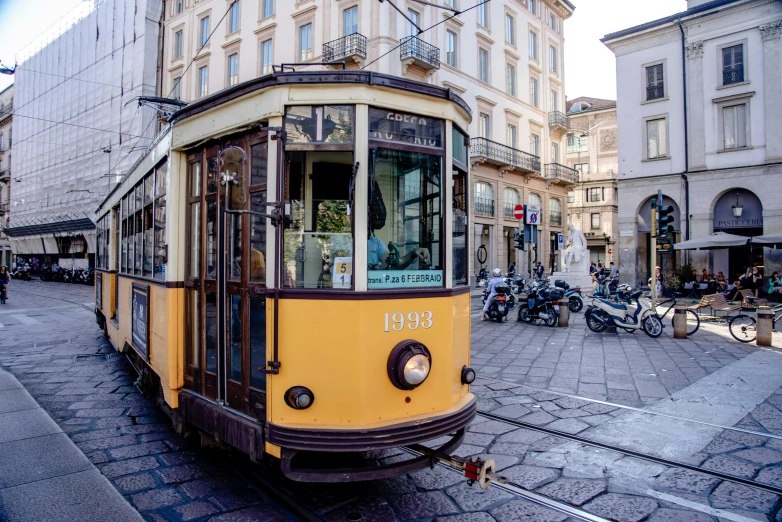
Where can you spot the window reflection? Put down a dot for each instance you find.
(318, 238)
(405, 212)
(235, 336)
(211, 332)
(257, 342)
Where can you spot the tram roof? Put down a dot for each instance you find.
(317, 77)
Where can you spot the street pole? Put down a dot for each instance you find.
(653, 254)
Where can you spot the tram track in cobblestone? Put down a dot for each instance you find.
(639, 410)
(253, 474)
(519, 491)
(632, 453)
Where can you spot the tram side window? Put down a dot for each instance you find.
(161, 244)
(148, 247)
(102, 237)
(318, 244)
(460, 220)
(144, 250)
(405, 215)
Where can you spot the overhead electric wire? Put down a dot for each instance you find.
(82, 70)
(67, 78)
(182, 76)
(76, 125)
(423, 31)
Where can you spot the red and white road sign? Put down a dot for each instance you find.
(518, 212)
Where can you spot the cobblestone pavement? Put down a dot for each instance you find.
(45, 325)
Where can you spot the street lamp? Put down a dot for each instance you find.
(738, 208)
(6, 70)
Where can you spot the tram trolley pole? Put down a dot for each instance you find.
(474, 468)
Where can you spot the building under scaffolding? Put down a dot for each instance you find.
(78, 127)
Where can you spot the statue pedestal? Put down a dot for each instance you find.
(574, 279)
(577, 275)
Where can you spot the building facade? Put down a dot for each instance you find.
(592, 150)
(700, 117)
(77, 126)
(504, 58)
(6, 141)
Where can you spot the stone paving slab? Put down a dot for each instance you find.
(43, 476)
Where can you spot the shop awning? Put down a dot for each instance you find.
(768, 240)
(715, 241)
(57, 227)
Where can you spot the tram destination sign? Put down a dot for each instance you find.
(140, 319)
(404, 278)
(404, 128)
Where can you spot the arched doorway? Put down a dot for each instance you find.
(667, 259)
(738, 211)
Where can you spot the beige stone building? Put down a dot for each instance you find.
(593, 204)
(505, 58)
(6, 120)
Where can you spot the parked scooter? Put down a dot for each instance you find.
(541, 305)
(482, 279)
(603, 313)
(576, 299)
(499, 307)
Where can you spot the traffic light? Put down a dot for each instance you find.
(664, 220)
(518, 240)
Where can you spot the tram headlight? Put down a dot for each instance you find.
(409, 364)
(468, 375)
(299, 398)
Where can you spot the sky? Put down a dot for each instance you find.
(589, 65)
(590, 68)
(23, 21)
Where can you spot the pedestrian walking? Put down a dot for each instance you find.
(614, 271)
(5, 277)
(512, 269)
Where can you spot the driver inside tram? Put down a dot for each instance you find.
(380, 258)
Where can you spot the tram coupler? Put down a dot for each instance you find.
(474, 468)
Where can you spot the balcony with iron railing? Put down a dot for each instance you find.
(414, 51)
(555, 218)
(350, 48)
(559, 120)
(6, 110)
(484, 206)
(508, 208)
(561, 174)
(5, 174)
(733, 74)
(502, 155)
(655, 92)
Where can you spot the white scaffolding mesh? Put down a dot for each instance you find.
(74, 99)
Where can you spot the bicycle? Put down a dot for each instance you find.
(693, 321)
(744, 327)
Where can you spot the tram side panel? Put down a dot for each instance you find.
(339, 349)
(164, 347)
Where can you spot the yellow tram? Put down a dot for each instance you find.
(287, 269)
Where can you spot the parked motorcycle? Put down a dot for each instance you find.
(22, 272)
(604, 313)
(499, 307)
(541, 305)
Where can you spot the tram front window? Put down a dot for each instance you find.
(404, 248)
(318, 250)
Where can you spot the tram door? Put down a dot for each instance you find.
(227, 273)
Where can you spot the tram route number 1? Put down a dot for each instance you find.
(414, 320)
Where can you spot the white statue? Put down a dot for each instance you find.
(575, 248)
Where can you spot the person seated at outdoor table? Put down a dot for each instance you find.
(693, 277)
(706, 276)
(774, 286)
(735, 294)
(722, 283)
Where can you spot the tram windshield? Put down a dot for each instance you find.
(405, 210)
